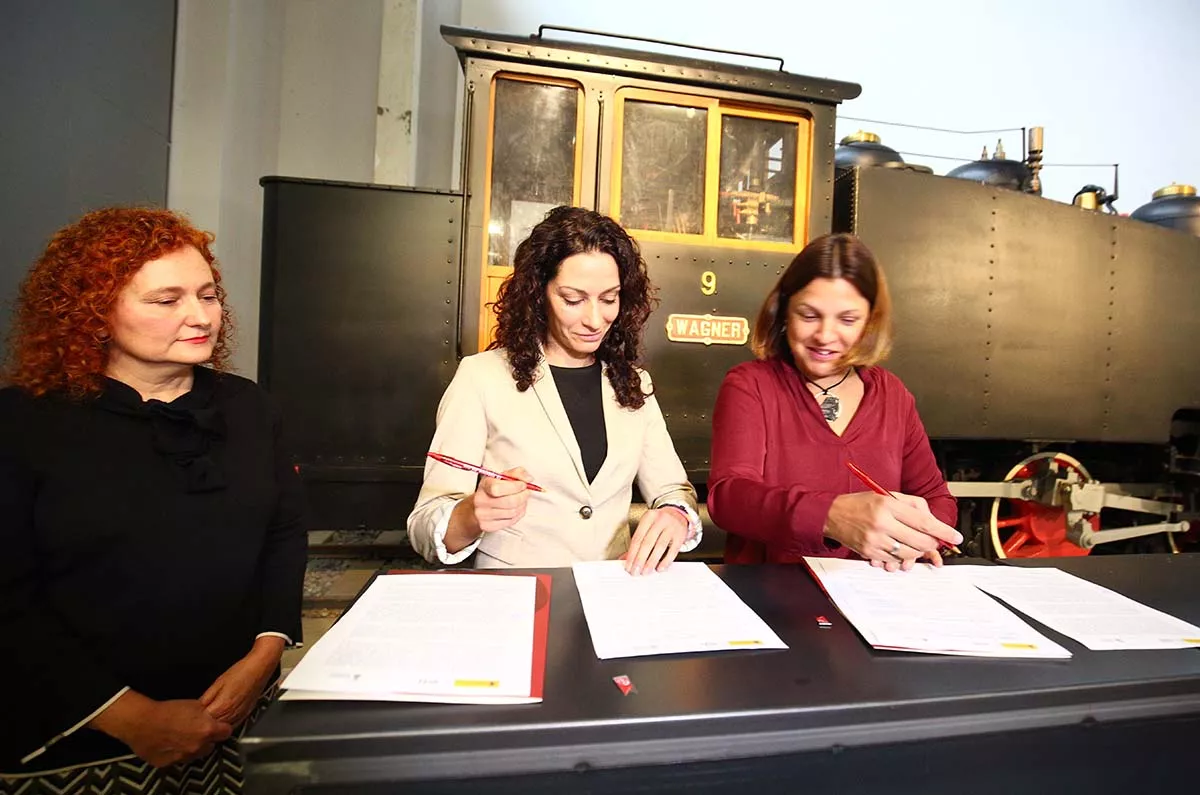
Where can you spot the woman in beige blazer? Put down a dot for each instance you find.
(557, 400)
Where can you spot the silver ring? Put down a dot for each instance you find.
(895, 548)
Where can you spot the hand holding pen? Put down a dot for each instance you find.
(498, 502)
(892, 533)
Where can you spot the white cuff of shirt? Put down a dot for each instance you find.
(287, 640)
(695, 526)
(439, 537)
(76, 727)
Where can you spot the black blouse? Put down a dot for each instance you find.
(582, 397)
(142, 544)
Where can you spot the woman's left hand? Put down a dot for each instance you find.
(232, 697)
(659, 535)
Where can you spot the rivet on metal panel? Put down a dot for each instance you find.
(447, 300)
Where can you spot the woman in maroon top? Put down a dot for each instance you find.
(786, 424)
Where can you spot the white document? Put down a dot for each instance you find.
(686, 608)
(459, 638)
(1097, 617)
(923, 610)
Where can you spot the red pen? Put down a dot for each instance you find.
(450, 461)
(875, 487)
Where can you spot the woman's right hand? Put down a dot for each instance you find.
(890, 532)
(495, 505)
(162, 733)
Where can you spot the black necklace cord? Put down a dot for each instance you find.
(825, 389)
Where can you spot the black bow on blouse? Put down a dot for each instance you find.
(182, 430)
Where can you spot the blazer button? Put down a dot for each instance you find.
(586, 512)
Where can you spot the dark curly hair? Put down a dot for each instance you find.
(61, 329)
(521, 311)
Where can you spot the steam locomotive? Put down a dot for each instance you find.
(1049, 346)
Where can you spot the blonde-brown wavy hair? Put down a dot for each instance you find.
(840, 256)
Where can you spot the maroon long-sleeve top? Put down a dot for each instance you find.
(777, 466)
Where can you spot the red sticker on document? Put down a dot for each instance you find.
(624, 683)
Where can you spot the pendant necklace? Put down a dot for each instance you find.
(831, 406)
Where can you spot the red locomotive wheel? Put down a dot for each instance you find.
(1027, 529)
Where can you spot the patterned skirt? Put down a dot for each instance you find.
(216, 774)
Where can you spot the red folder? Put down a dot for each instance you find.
(541, 617)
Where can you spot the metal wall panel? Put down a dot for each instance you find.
(931, 236)
(1027, 319)
(1046, 306)
(1155, 340)
(359, 312)
(687, 375)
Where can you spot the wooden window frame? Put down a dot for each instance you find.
(489, 271)
(716, 113)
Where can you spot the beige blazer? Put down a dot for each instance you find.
(483, 418)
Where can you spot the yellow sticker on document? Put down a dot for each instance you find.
(1019, 645)
(476, 683)
(1192, 640)
(745, 643)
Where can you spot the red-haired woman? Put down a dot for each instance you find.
(152, 548)
(786, 424)
(558, 399)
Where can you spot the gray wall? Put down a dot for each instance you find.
(85, 112)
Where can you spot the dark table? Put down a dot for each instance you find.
(829, 714)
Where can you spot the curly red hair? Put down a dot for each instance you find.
(61, 328)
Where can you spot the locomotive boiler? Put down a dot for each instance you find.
(1048, 346)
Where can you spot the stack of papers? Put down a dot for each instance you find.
(1100, 619)
(925, 610)
(454, 637)
(686, 608)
